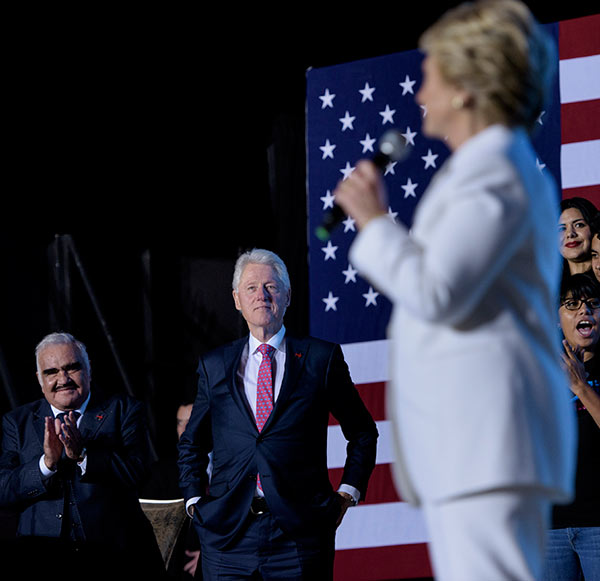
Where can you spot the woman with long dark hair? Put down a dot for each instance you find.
(575, 235)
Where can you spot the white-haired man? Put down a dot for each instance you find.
(71, 465)
(270, 511)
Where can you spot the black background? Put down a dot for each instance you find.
(178, 136)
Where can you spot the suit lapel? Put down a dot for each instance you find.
(296, 352)
(231, 361)
(93, 418)
(39, 416)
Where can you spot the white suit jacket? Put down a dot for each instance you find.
(477, 398)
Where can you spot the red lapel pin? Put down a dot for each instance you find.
(298, 355)
(99, 417)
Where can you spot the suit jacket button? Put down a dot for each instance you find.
(252, 476)
(259, 438)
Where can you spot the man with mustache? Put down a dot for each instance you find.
(71, 465)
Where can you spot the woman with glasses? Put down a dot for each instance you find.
(573, 550)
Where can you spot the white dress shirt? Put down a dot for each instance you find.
(251, 360)
(247, 376)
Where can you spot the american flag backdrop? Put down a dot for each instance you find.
(349, 106)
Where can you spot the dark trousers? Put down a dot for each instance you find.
(265, 552)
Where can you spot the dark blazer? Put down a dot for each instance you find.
(291, 451)
(106, 505)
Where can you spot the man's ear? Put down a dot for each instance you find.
(236, 300)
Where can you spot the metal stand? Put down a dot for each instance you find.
(61, 252)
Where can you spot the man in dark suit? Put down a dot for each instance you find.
(270, 511)
(71, 465)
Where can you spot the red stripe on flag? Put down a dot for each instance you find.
(580, 121)
(381, 486)
(592, 193)
(373, 396)
(579, 37)
(396, 562)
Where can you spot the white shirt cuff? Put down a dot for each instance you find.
(46, 472)
(353, 492)
(189, 503)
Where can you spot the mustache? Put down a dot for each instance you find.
(66, 385)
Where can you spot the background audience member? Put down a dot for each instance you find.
(595, 244)
(573, 546)
(575, 235)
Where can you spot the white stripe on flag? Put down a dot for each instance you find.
(580, 165)
(336, 445)
(367, 360)
(579, 79)
(378, 525)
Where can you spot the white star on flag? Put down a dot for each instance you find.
(330, 302)
(350, 274)
(346, 171)
(327, 99)
(388, 115)
(367, 93)
(409, 136)
(327, 149)
(349, 224)
(539, 164)
(389, 168)
(407, 85)
(367, 143)
(329, 250)
(347, 121)
(429, 159)
(327, 200)
(409, 189)
(371, 297)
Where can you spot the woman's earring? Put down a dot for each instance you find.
(457, 102)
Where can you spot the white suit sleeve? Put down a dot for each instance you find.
(442, 277)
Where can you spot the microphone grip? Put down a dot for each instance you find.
(380, 160)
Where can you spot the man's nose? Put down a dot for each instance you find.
(63, 376)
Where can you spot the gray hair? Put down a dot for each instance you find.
(62, 338)
(260, 256)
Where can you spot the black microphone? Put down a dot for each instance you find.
(391, 147)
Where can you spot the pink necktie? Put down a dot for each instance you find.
(264, 387)
(264, 391)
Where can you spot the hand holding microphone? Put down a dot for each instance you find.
(362, 194)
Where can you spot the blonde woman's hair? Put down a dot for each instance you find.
(496, 51)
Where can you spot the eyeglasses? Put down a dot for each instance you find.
(575, 304)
